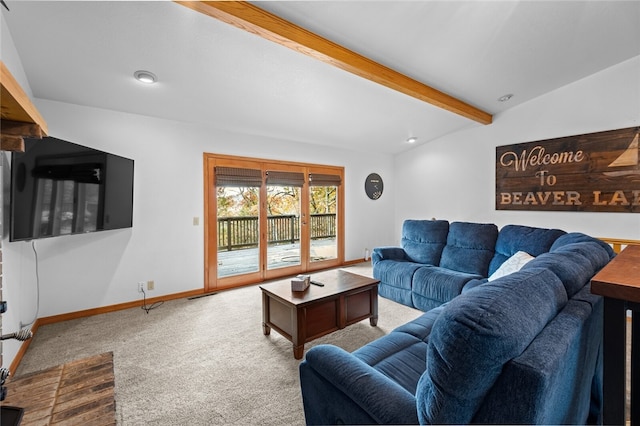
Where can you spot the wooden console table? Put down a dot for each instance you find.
(619, 283)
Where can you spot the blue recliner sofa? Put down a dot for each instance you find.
(438, 259)
(520, 346)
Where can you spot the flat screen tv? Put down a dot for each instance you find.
(61, 188)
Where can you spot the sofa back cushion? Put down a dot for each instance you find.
(558, 379)
(470, 247)
(575, 264)
(476, 334)
(515, 238)
(423, 240)
(579, 237)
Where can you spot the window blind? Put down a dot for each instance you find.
(234, 176)
(317, 179)
(285, 178)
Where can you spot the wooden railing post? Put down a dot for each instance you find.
(618, 244)
(228, 226)
(292, 228)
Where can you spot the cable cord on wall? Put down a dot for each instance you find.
(144, 303)
(35, 316)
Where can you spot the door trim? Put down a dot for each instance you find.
(211, 281)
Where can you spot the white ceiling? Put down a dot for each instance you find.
(85, 52)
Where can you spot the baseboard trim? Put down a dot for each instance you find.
(118, 307)
(113, 308)
(91, 312)
(23, 349)
(354, 262)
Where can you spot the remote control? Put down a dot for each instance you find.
(319, 284)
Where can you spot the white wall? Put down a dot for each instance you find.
(9, 55)
(80, 272)
(453, 177)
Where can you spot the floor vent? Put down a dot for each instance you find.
(202, 295)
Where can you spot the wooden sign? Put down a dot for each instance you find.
(596, 172)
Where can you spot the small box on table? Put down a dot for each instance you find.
(300, 283)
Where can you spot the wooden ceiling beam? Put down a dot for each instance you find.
(271, 27)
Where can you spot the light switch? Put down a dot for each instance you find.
(196, 221)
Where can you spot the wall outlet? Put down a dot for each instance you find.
(141, 287)
(151, 285)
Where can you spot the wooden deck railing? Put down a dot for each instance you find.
(242, 232)
(618, 244)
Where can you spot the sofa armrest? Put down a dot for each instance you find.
(339, 388)
(387, 253)
(473, 284)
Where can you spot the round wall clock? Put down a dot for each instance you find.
(373, 186)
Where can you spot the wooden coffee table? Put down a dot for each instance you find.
(301, 317)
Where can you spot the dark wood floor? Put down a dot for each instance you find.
(77, 393)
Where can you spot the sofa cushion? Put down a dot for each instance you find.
(395, 279)
(421, 327)
(515, 238)
(552, 381)
(404, 364)
(401, 355)
(423, 240)
(578, 237)
(473, 284)
(432, 286)
(470, 247)
(574, 264)
(511, 265)
(387, 253)
(395, 273)
(589, 249)
(476, 334)
(338, 388)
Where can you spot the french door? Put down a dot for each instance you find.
(266, 219)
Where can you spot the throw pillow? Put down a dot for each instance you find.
(511, 265)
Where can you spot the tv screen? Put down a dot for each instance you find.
(61, 188)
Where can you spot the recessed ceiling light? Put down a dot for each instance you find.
(505, 98)
(412, 139)
(146, 77)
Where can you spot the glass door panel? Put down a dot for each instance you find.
(322, 211)
(238, 221)
(284, 219)
(323, 214)
(238, 232)
(283, 226)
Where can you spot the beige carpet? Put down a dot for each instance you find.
(199, 362)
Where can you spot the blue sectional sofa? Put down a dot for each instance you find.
(522, 348)
(439, 259)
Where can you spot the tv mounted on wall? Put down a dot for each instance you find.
(61, 188)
